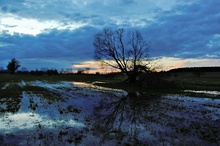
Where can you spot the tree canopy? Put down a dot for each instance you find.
(126, 52)
(13, 65)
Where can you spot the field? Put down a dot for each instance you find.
(100, 110)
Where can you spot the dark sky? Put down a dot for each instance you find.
(59, 33)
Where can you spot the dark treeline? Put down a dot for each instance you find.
(195, 69)
(48, 72)
(34, 72)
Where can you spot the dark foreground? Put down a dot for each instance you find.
(75, 113)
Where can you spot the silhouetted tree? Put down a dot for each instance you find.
(52, 72)
(87, 69)
(2, 70)
(80, 71)
(126, 54)
(13, 65)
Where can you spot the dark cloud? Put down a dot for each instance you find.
(186, 31)
(59, 45)
(179, 29)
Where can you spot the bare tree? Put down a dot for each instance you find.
(128, 54)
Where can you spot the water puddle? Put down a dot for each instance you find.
(91, 115)
(214, 93)
(32, 112)
(99, 88)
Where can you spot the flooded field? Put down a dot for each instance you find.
(75, 113)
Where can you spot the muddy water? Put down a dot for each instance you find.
(83, 114)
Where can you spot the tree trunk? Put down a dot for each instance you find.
(131, 77)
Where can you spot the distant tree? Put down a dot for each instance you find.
(44, 69)
(24, 69)
(62, 71)
(80, 71)
(52, 72)
(87, 69)
(69, 70)
(128, 54)
(13, 65)
(2, 70)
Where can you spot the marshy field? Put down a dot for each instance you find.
(101, 110)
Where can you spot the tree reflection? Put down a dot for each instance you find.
(123, 117)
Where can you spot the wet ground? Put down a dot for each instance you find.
(83, 114)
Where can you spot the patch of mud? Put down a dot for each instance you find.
(5, 86)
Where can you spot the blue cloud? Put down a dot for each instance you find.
(186, 31)
(175, 29)
(59, 45)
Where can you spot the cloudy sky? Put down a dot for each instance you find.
(59, 33)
